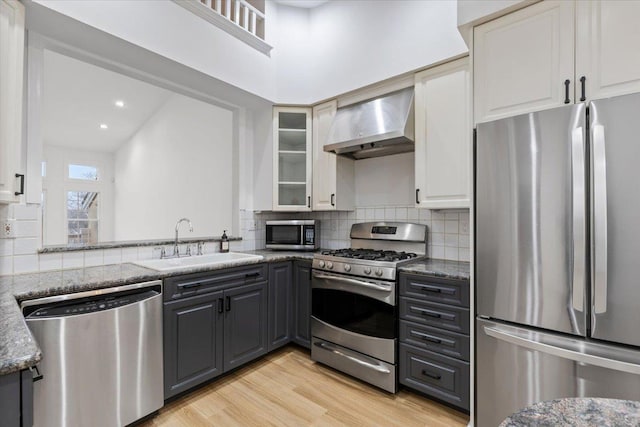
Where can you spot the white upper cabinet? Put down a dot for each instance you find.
(522, 61)
(292, 159)
(333, 176)
(607, 48)
(11, 76)
(443, 136)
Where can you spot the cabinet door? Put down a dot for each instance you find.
(192, 342)
(443, 136)
(245, 324)
(280, 316)
(11, 73)
(292, 159)
(607, 43)
(302, 303)
(522, 60)
(333, 176)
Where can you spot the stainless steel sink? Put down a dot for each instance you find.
(197, 261)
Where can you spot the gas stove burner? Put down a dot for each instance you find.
(371, 254)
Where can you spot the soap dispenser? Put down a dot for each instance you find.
(224, 243)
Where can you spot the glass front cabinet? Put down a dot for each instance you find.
(292, 159)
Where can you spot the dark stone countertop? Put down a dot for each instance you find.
(18, 349)
(438, 267)
(581, 411)
(131, 244)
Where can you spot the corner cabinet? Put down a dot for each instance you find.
(443, 136)
(554, 53)
(292, 159)
(12, 16)
(333, 176)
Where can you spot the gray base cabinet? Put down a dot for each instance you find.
(280, 304)
(302, 303)
(434, 337)
(213, 322)
(16, 399)
(193, 341)
(245, 324)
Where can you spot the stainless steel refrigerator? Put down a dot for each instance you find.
(558, 256)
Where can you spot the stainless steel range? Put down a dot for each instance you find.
(354, 300)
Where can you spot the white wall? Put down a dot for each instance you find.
(56, 184)
(167, 29)
(357, 43)
(180, 161)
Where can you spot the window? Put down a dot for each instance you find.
(83, 172)
(82, 217)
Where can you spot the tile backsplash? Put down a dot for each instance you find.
(447, 238)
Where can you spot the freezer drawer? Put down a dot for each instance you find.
(517, 367)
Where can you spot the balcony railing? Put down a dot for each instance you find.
(239, 18)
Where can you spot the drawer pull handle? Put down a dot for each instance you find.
(228, 303)
(249, 275)
(434, 289)
(37, 376)
(430, 375)
(433, 339)
(191, 285)
(566, 91)
(431, 314)
(220, 305)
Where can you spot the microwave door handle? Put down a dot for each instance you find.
(352, 282)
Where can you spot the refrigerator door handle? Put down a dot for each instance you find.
(599, 219)
(565, 353)
(579, 214)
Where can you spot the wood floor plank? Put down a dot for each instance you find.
(286, 388)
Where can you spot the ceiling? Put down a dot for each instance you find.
(309, 4)
(79, 97)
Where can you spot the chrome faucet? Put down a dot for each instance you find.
(176, 251)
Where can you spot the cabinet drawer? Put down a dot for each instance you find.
(433, 339)
(201, 283)
(439, 315)
(438, 376)
(445, 291)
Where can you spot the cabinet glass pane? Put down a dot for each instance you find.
(292, 167)
(295, 140)
(292, 121)
(292, 195)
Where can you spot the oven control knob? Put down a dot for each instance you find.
(347, 267)
(321, 264)
(329, 265)
(378, 272)
(367, 270)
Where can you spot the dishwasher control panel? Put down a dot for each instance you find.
(91, 305)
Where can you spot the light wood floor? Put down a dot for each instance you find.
(287, 388)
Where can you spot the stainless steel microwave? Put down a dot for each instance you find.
(299, 235)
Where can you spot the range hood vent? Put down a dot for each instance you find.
(378, 127)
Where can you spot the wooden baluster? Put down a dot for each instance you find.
(227, 11)
(253, 27)
(207, 2)
(245, 22)
(237, 12)
(218, 6)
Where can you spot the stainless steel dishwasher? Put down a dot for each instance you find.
(101, 355)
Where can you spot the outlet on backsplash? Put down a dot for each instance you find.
(8, 229)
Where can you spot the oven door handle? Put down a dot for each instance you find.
(353, 357)
(353, 282)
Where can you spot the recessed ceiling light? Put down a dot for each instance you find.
(104, 126)
(120, 104)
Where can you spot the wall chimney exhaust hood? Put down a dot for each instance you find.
(378, 127)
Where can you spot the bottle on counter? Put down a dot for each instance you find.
(224, 243)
